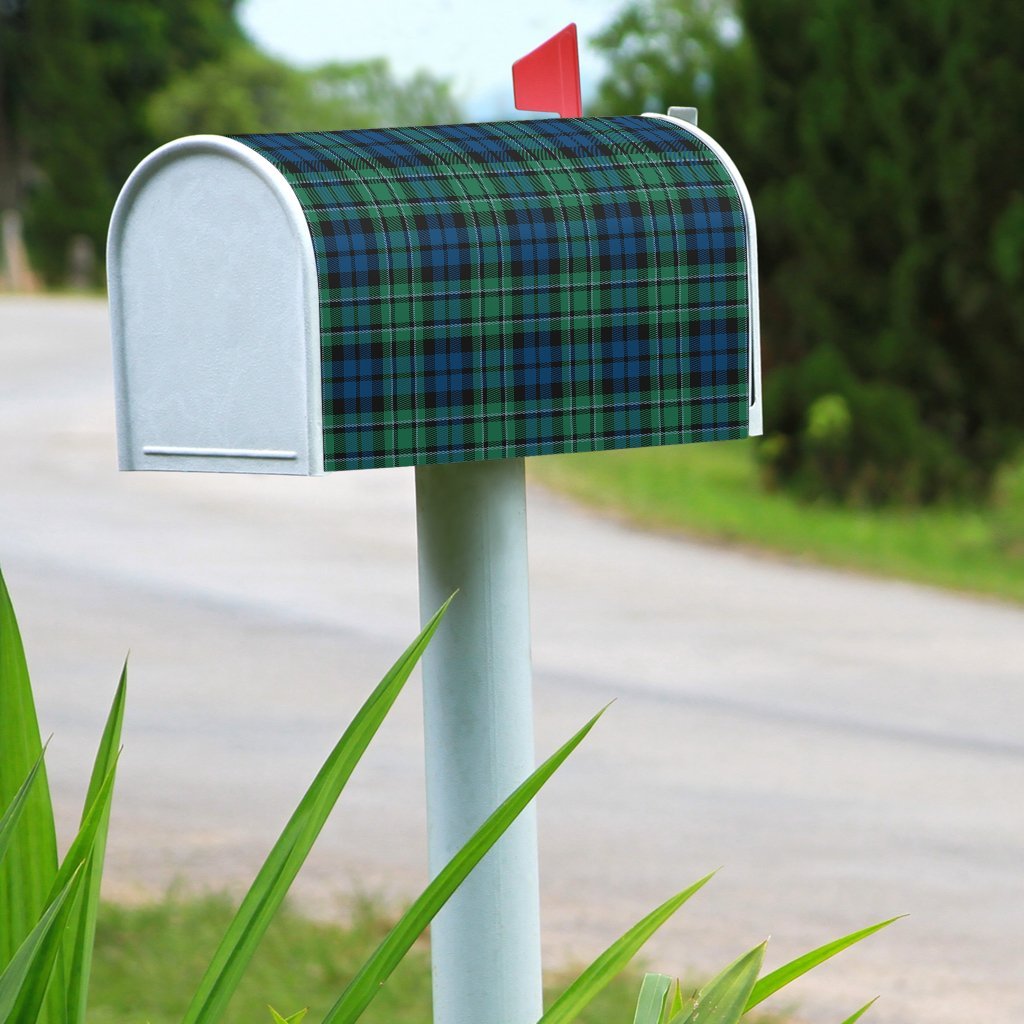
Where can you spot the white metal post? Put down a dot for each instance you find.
(478, 712)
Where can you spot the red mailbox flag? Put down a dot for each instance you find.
(548, 78)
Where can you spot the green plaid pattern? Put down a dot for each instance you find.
(522, 288)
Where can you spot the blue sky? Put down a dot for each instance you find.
(472, 43)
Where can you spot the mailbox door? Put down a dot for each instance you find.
(215, 319)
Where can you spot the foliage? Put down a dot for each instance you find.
(48, 910)
(48, 915)
(151, 955)
(248, 91)
(76, 76)
(148, 955)
(89, 87)
(1008, 511)
(874, 139)
(735, 991)
(727, 997)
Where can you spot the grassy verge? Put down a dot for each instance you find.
(149, 959)
(712, 491)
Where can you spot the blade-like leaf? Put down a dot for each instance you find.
(569, 1004)
(25, 978)
(372, 975)
(675, 1006)
(723, 999)
(853, 1018)
(72, 866)
(17, 805)
(295, 1018)
(771, 983)
(82, 930)
(83, 845)
(651, 1002)
(282, 864)
(28, 870)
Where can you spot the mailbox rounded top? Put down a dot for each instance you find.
(455, 292)
(216, 330)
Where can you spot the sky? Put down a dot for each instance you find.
(471, 42)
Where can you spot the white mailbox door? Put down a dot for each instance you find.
(215, 320)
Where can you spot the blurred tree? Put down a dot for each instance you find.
(881, 143)
(75, 76)
(88, 87)
(248, 91)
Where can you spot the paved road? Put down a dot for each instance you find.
(846, 748)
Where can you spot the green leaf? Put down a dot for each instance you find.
(84, 843)
(17, 805)
(651, 1003)
(368, 980)
(569, 1004)
(73, 865)
(723, 1000)
(282, 864)
(771, 983)
(82, 930)
(853, 1018)
(675, 1006)
(30, 866)
(295, 1018)
(24, 981)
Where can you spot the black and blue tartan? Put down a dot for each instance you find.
(522, 288)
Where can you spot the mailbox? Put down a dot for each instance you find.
(336, 300)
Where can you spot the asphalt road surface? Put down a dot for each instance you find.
(845, 748)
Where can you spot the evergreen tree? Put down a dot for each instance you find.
(249, 91)
(88, 87)
(881, 143)
(74, 83)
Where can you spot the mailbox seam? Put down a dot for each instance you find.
(305, 178)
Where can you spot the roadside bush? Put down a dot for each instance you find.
(1008, 508)
(838, 437)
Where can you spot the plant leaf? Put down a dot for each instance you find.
(73, 865)
(615, 958)
(82, 930)
(723, 1000)
(282, 864)
(30, 866)
(17, 805)
(594, 978)
(295, 1018)
(853, 1018)
(782, 976)
(24, 980)
(372, 975)
(676, 1004)
(651, 1003)
(84, 843)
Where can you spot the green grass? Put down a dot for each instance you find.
(149, 959)
(713, 492)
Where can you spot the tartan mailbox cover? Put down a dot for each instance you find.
(342, 300)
